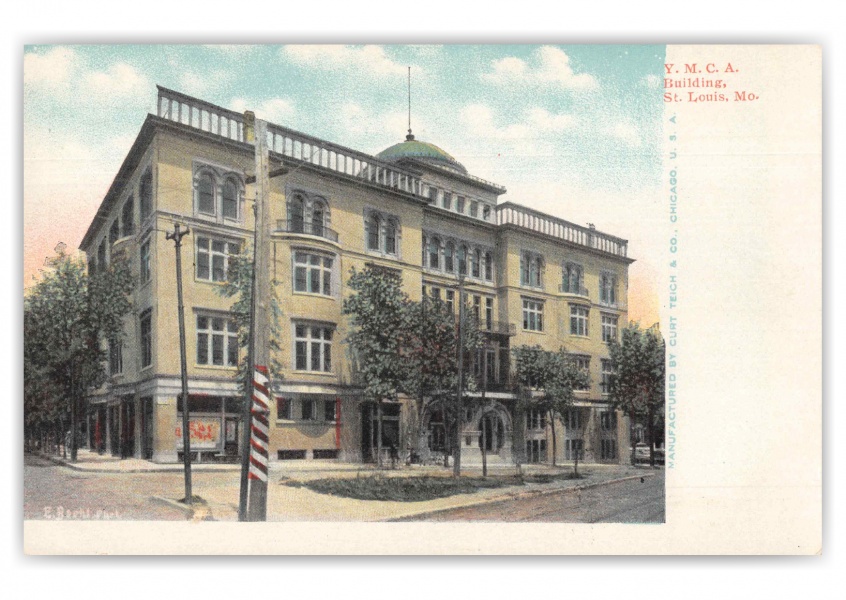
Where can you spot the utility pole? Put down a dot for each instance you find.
(177, 236)
(459, 405)
(259, 328)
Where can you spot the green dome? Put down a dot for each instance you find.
(424, 151)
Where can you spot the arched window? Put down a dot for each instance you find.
(374, 224)
(205, 194)
(535, 272)
(390, 236)
(296, 216)
(488, 266)
(434, 253)
(317, 219)
(462, 260)
(477, 262)
(230, 200)
(449, 253)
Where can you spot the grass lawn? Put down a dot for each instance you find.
(416, 489)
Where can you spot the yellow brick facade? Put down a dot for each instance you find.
(136, 413)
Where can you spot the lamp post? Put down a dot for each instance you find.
(462, 271)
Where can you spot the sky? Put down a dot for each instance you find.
(574, 131)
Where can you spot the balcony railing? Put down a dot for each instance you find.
(307, 228)
(497, 327)
(509, 213)
(568, 289)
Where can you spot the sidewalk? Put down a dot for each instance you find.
(291, 503)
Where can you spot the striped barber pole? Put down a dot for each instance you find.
(260, 425)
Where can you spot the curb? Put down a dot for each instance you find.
(179, 469)
(189, 511)
(518, 496)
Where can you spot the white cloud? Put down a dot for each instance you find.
(366, 60)
(197, 84)
(550, 66)
(537, 122)
(275, 110)
(120, 80)
(547, 121)
(626, 132)
(651, 81)
(52, 69)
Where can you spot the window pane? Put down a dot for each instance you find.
(301, 356)
(315, 356)
(202, 322)
(218, 268)
(327, 357)
(202, 349)
(301, 331)
(202, 265)
(218, 246)
(232, 351)
(327, 283)
(315, 281)
(300, 279)
(206, 195)
(230, 200)
(217, 349)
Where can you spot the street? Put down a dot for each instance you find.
(625, 502)
(55, 492)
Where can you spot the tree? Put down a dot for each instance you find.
(238, 285)
(429, 345)
(547, 381)
(378, 313)
(68, 319)
(637, 384)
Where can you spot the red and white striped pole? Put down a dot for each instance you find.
(259, 438)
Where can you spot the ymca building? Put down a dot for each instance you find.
(530, 278)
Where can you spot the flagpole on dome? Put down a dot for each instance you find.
(410, 136)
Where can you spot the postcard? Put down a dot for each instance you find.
(335, 299)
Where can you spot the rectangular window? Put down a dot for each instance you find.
(308, 410)
(433, 194)
(578, 320)
(608, 420)
(128, 217)
(146, 194)
(582, 363)
(144, 273)
(532, 315)
(312, 273)
(329, 410)
(535, 419)
(486, 212)
(217, 341)
(115, 357)
(230, 200)
(213, 258)
(574, 449)
(313, 348)
(608, 289)
(609, 328)
(474, 208)
(283, 409)
(607, 369)
(146, 338)
(477, 308)
(574, 419)
(450, 300)
(459, 204)
(447, 200)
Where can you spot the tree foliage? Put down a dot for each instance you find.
(637, 384)
(238, 285)
(68, 319)
(547, 381)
